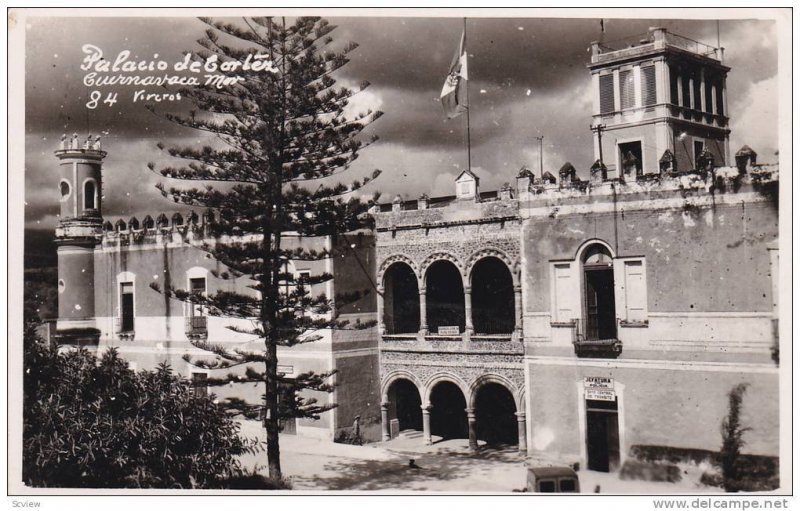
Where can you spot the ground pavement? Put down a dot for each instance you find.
(445, 466)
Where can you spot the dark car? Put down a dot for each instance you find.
(552, 480)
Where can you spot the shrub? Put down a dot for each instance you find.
(92, 423)
(648, 471)
(732, 439)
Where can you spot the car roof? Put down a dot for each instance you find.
(553, 472)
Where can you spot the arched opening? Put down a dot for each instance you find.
(445, 296)
(162, 221)
(400, 300)
(148, 222)
(448, 411)
(598, 293)
(89, 195)
(492, 297)
(133, 223)
(495, 415)
(120, 225)
(177, 219)
(63, 187)
(405, 406)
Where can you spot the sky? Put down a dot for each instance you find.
(528, 77)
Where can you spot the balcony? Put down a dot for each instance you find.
(657, 39)
(197, 327)
(124, 329)
(586, 347)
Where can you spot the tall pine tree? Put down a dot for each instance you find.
(277, 135)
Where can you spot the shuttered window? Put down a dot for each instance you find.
(709, 97)
(649, 85)
(673, 85)
(627, 92)
(635, 291)
(606, 93)
(686, 94)
(563, 292)
(720, 103)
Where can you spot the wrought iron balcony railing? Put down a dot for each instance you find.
(197, 326)
(593, 348)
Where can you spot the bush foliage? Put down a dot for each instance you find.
(94, 423)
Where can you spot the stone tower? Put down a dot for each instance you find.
(655, 93)
(79, 231)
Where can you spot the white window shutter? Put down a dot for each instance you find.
(636, 291)
(564, 291)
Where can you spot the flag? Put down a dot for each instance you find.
(454, 91)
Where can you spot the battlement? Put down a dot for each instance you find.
(500, 205)
(72, 147)
(193, 226)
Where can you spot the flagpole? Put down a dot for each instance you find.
(469, 146)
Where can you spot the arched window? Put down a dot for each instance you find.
(90, 195)
(64, 188)
(598, 293)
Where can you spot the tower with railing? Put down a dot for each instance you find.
(659, 105)
(79, 231)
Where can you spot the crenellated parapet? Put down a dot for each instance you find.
(186, 227)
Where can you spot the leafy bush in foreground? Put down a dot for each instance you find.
(92, 423)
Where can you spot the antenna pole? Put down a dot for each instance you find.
(469, 145)
(541, 157)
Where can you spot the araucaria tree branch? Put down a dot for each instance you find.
(269, 133)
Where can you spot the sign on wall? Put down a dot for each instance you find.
(449, 330)
(599, 388)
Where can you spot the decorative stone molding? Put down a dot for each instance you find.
(395, 258)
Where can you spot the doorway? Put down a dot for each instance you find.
(602, 435)
(495, 414)
(405, 405)
(448, 411)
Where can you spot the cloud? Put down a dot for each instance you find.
(536, 83)
(754, 120)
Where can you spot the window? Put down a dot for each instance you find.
(599, 298)
(547, 486)
(606, 93)
(699, 146)
(696, 92)
(64, 188)
(630, 158)
(566, 485)
(649, 85)
(685, 92)
(305, 275)
(720, 103)
(627, 91)
(674, 85)
(709, 95)
(197, 287)
(126, 306)
(89, 195)
(199, 385)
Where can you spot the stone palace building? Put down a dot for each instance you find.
(581, 320)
